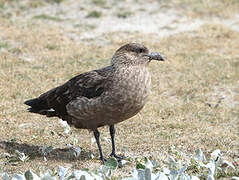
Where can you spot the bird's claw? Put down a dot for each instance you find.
(119, 158)
(104, 160)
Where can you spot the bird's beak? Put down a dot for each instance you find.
(156, 56)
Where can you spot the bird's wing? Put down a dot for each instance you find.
(87, 85)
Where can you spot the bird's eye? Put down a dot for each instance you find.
(140, 50)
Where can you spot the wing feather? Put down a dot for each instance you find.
(87, 85)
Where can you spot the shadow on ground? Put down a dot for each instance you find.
(34, 151)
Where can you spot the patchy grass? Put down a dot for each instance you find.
(94, 14)
(101, 3)
(205, 8)
(123, 14)
(54, 1)
(51, 46)
(47, 17)
(194, 100)
(3, 45)
(2, 5)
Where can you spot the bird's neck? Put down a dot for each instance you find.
(137, 75)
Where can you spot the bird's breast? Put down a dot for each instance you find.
(129, 92)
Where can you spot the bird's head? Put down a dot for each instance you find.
(134, 54)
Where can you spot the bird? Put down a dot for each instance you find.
(102, 97)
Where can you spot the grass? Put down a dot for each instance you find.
(205, 8)
(194, 100)
(51, 46)
(2, 5)
(94, 14)
(101, 3)
(123, 14)
(54, 1)
(47, 17)
(3, 45)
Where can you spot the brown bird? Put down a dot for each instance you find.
(102, 97)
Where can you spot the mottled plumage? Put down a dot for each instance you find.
(102, 97)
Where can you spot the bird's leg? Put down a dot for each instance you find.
(112, 134)
(97, 138)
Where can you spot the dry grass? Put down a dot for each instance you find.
(194, 102)
(205, 8)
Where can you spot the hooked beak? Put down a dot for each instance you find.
(156, 56)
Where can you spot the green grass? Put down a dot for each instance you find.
(54, 1)
(47, 17)
(123, 14)
(2, 5)
(101, 3)
(51, 46)
(4, 45)
(94, 14)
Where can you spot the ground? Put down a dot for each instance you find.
(195, 94)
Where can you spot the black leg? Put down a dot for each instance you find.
(97, 138)
(112, 134)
